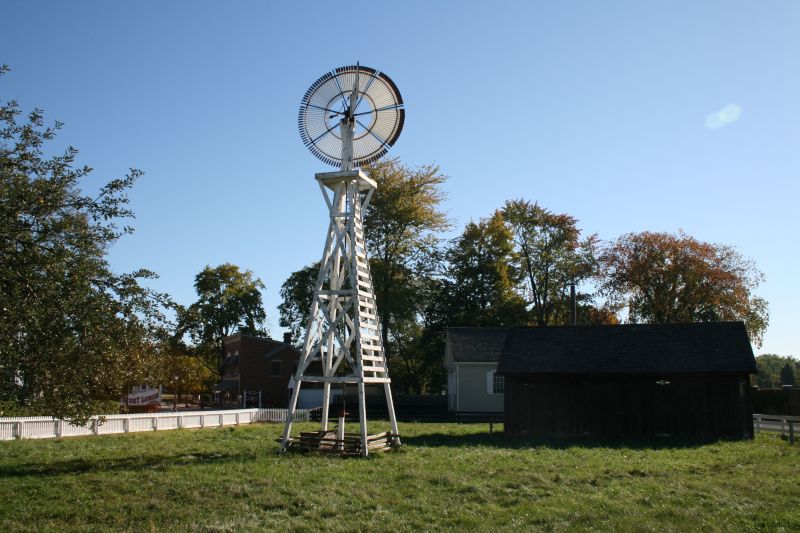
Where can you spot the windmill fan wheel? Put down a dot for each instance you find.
(376, 118)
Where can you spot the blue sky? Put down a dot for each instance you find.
(629, 116)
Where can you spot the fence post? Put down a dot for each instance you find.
(202, 420)
(59, 428)
(783, 428)
(237, 419)
(126, 425)
(221, 420)
(95, 426)
(155, 423)
(180, 421)
(19, 429)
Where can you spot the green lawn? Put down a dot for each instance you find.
(446, 476)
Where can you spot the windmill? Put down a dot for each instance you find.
(349, 117)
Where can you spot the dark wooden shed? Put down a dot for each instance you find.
(632, 380)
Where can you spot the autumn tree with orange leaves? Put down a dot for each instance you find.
(664, 278)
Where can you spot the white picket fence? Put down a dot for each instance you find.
(787, 426)
(46, 427)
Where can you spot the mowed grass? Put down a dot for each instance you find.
(446, 476)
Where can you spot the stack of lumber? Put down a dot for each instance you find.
(327, 442)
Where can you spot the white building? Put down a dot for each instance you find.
(471, 358)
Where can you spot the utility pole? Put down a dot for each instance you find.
(573, 306)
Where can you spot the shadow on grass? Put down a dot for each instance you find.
(499, 440)
(147, 462)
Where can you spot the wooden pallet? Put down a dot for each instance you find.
(327, 442)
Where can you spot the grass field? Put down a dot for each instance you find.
(446, 476)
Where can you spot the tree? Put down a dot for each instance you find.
(769, 370)
(483, 274)
(401, 230)
(553, 257)
(185, 373)
(429, 373)
(297, 293)
(73, 333)
(662, 278)
(590, 314)
(787, 374)
(229, 300)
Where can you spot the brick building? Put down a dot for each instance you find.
(256, 364)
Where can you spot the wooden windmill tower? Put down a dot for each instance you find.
(349, 117)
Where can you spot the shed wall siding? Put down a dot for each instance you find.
(635, 406)
(472, 389)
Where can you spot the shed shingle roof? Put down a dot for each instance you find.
(709, 347)
(476, 345)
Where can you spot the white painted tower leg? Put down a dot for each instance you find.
(340, 433)
(326, 398)
(362, 414)
(392, 418)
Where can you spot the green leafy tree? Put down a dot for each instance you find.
(429, 374)
(787, 374)
(417, 365)
(483, 275)
(185, 373)
(769, 370)
(229, 301)
(402, 227)
(553, 256)
(73, 333)
(664, 278)
(590, 314)
(297, 293)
